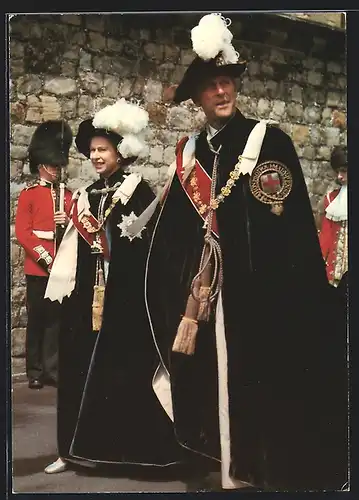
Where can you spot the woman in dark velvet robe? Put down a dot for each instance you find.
(107, 410)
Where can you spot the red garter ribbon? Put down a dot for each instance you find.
(197, 186)
(88, 228)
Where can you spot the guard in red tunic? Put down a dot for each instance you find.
(40, 219)
(333, 231)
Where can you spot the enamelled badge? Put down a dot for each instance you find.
(270, 183)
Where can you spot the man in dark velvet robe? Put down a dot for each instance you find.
(265, 391)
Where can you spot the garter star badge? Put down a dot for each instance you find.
(125, 225)
(270, 183)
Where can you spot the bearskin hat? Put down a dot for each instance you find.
(50, 145)
(338, 157)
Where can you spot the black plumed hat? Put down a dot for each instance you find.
(50, 145)
(199, 71)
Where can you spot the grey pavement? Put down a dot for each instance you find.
(34, 447)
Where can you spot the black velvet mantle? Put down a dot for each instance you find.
(108, 412)
(285, 330)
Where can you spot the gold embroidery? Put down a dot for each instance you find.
(271, 183)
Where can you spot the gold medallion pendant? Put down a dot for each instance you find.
(270, 183)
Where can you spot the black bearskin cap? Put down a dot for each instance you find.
(338, 157)
(50, 145)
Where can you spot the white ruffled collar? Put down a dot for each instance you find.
(337, 210)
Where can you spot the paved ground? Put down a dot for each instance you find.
(34, 447)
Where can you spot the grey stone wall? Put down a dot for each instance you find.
(70, 66)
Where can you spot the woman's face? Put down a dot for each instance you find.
(104, 156)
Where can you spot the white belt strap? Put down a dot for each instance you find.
(44, 235)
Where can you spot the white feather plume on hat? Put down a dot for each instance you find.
(128, 120)
(212, 36)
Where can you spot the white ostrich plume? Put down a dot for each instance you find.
(132, 145)
(212, 36)
(122, 117)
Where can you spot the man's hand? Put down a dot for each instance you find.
(61, 218)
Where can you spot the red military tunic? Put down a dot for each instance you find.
(35, 226)
(333, 242)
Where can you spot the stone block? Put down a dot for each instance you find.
(16, 167)
(29, 84)
(18, 152)
(315, 78)
(334, 67)
(126, 87)
(253, 68)
(153, 51)
(122, 67)
(169, 155)
(167, 137)
(102, 64)
(332, 136)
(97, 41)
(309, 153)
(278, 110)
(267, 69)
(73, 19)
(60, 86)
(187, 56)
(16, 68)
(312, 114)
(300, 134)
(114, 45)
(85, 106)
(271, 88)
(51, 108)
(296, 93)
(263, 107)
(156, 154)
(295, 111)
(152, 91)
(77, 38)
(68, 69)
(171, 53)
(16, 49)
(18, 342)
(179, 118)
(91, 82)
(258, 88)
(157, 113)
(111, 86)
(85, 60)
(333, 99)
(21, 134)
(74, 168)
(315, 136)
(324, 153)
(95, 22)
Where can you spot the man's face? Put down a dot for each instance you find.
(342, 173)
(217, 97)
(49, 173)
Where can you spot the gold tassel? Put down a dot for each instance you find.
(185, 341)
(98, 301)
(204, 309)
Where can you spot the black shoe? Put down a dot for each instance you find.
(35, 383)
